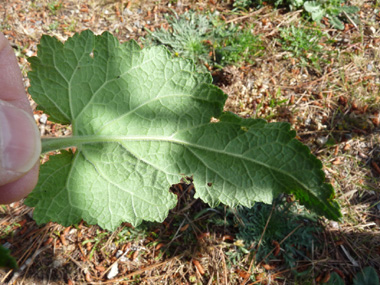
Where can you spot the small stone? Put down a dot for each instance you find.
(29, 53)
(43, 119)
(119, 253)
(42, 129)
(334, 225)
(73, 231)
(321, 141)
(128, 12)
(114, 271)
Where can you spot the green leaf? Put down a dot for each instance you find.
(312, 6)
(350, 9)
(295, 4)
(315, 9)
(6, 260)
(336, 23)
(141, 120)
(367, 276)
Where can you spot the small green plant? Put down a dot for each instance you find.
(207, 40)
(186, 36)
(54, 6)
(54, 25)
(235, 45)
(284, 230)
(141, 121)
(70, 26)
(242, 4)
(288, 222)
(334, 10)
(303, 43)
(367, 276)
(133, 234)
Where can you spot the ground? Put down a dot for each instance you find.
(331, 100)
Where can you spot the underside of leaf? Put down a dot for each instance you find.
(141, 120)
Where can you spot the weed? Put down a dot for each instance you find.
(70, 27)
(303, 43)
(186, 35)
(128, 234)
(234, 45)
(334, 10)
(207, 40)
(54, 25)
(367, 276)
(290, 229)
(242, 4)
(100, 237)
(54, 7)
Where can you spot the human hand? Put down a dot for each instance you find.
(20, 143)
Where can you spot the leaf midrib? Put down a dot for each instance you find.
(78, 141)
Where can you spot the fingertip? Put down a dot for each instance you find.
(20, 143)
(20, 188)
(12, 87)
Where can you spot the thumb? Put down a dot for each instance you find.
(20, 143)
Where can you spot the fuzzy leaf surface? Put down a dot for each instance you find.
(141, 120)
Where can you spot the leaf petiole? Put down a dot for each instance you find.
(52, 144)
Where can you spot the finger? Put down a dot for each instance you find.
(12, 88)
(20, 144)
(18, 189)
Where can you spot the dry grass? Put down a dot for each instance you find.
(340, 101)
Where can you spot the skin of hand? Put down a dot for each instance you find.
(20, 143)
